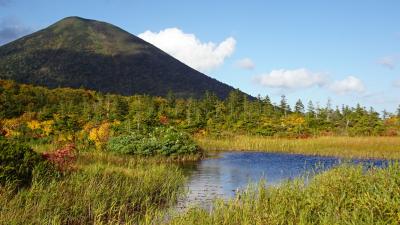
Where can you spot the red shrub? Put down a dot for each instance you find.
(63, 158)
(163, 120)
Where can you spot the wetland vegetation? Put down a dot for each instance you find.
(108, 159)
(338, 146)
(99, 188)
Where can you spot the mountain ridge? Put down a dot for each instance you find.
(77, 52)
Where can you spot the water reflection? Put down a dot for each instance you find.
(223, 175)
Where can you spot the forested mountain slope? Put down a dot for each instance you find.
(77, 52)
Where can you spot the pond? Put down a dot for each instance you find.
(225, 173)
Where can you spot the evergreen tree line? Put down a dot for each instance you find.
(37, 112)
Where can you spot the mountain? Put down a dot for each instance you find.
(77, 52)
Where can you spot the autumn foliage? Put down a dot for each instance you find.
(63, 158)
(66, 115)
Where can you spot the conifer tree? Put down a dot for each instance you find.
(398, 111)
(284, 105)
(310, 109)
(299, 107)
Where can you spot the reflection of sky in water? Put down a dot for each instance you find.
(220, 177)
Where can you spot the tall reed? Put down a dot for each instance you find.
(349, 147)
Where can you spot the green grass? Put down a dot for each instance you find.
(348, 147)
(343, 195)
(103, 189)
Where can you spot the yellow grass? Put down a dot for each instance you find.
(347, 147)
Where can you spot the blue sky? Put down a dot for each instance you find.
(346, 51)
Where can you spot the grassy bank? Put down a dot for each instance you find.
(106, 188)
(343, 195)
(103, 189)
(359, 147)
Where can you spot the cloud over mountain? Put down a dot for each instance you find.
(203, 56)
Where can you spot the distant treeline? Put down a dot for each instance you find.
(66, 114)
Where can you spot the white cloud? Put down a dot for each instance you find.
(388, 62)
(245, 63)
(303, 78)
(189, 49)
(291, 79)
(348, 85)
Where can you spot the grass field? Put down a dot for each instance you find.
(347, 147)
(102, 189)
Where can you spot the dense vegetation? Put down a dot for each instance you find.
(73, 176)
(103, 189)
(343, 195)
(159, 141)
(99, 185)
(90, 118)
(77, 52)
(19, 163)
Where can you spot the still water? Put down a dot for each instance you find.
(225, 173)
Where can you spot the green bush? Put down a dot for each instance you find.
(160, 141)
(19, 163)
